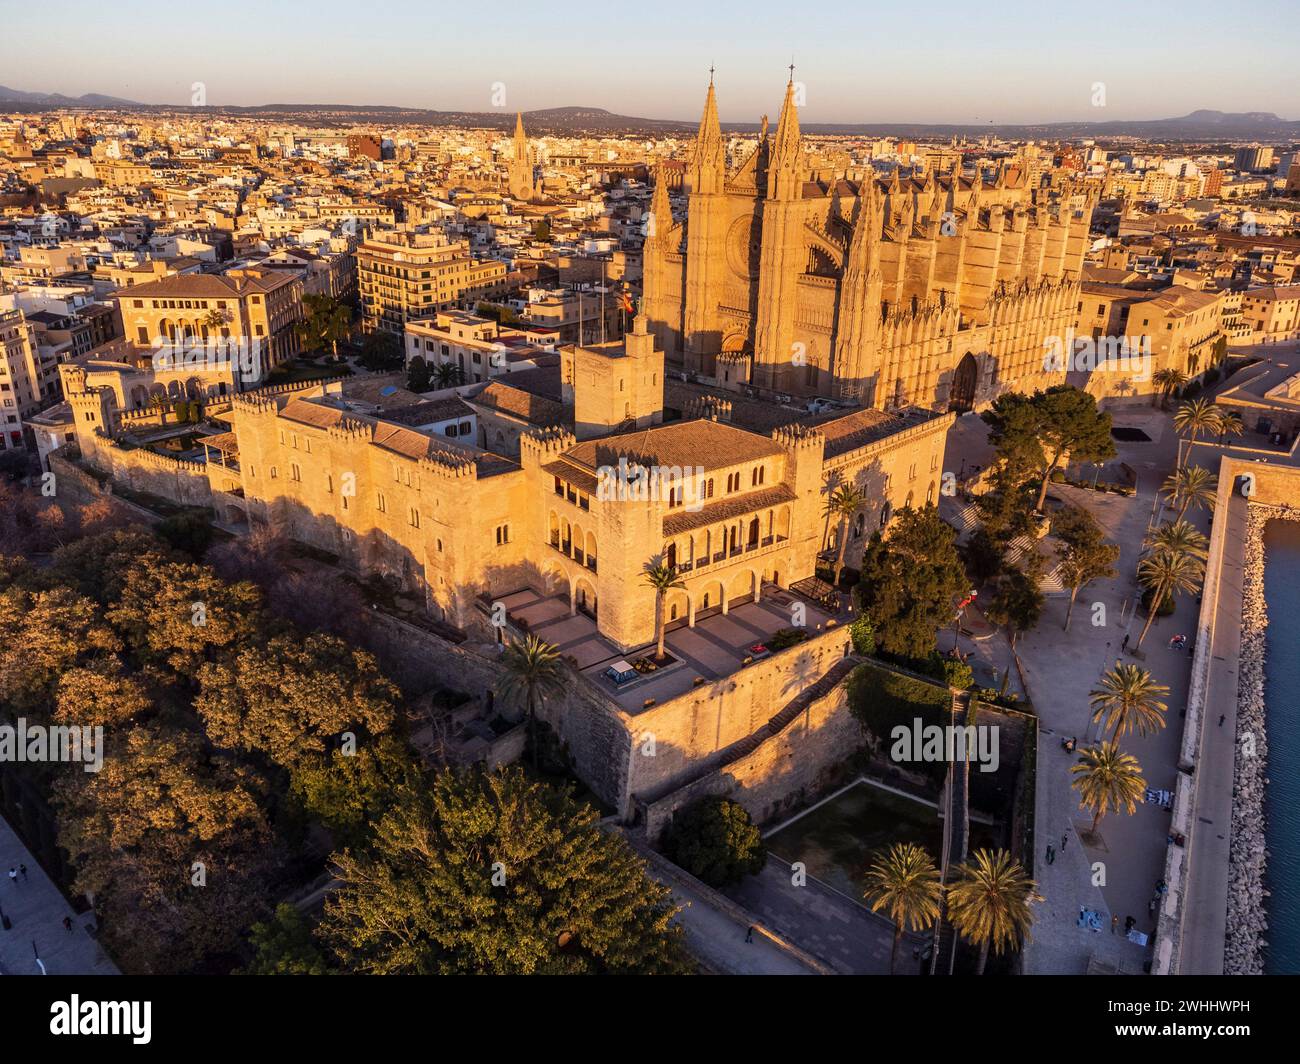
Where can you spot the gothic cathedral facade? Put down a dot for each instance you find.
(939, 291)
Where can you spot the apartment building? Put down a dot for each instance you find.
(405, 276)
(21, 374)
(1271, 314)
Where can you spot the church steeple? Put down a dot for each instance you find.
(709, 163)
(784, 170)
(522, 184)
(661, 210)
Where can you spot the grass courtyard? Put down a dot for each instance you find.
(836, 840)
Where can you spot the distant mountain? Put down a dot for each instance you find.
(57, 99)
(1203, 125)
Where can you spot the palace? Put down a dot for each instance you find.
(935, 291)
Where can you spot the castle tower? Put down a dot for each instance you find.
(706, 231)
(619, 386)
(781, 258)
(522, 185)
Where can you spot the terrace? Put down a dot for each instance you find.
(718, 645)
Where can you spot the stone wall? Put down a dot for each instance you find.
(784, 768)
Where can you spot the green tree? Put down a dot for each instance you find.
(990, 903)
(293, 697)
(172, 842)
(1165, 575)
(1178, 538)
(1042, 429)
(448, 375)
(1017, 602)
(662, 578)
(905, 883)
(843, 505)
(1199, 417)
(491, 873)
(911, 582)
(1167, 381)
(715, 840)
(325, 323)
(418, 377)
(1128, 700)
(1191, 486)
(1084, 554)
(1107, 780)
(284, 945)
(532, 672)
(381, 351)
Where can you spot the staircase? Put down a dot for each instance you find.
(956, 837)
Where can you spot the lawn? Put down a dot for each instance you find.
(836, 840)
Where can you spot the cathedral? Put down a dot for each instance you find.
(520, 169)
(936, 291)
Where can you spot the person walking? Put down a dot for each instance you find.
(1114, 922)
(13, 876)
(749, 935)
(67, 924)
(1065, 837)
(23, 869)
(1124, 645)
(1222, 718)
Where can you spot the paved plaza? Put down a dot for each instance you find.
(36, 910)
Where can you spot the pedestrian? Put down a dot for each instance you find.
(23, 869)
(1114, 922)
(1222, 718)
(1064, 839)
(1151, 907)
(67, 924)
(1051, 855)
(1124, 645)
(13, 876)
(749, 935)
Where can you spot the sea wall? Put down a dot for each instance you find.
(1247, 920)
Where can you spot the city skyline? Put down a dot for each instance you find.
(978, 74)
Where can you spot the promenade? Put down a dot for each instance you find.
(36, 909)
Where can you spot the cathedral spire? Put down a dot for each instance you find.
(661, 210)
(786, 152)
(709, 163)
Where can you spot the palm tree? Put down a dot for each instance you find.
(1191, 486)
(1178, 537)
(1167, 380)
(905, 883)
(533, 670)
(1165, 575)
(446, 374)
(1230, 424)
(663, 578)
(1127, 699)
(844, 503)
(1106, 780)
(989, 903)
(1194, 418)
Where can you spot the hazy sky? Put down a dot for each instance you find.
(968, 61)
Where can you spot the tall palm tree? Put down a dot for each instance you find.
(1107, 780)
(1230, 424)
(446, 374)
(844, 504)
(1167, 380)
(533, 671)
(1165, 575)
(1195, 418)
(905, 883)
(1128, 700)
(1178, 537)
(989, 904)
(1191, 486)
(663, 578)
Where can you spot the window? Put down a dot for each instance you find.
(381, 503)
(415, 517)
(503, 535)
(295, 473)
